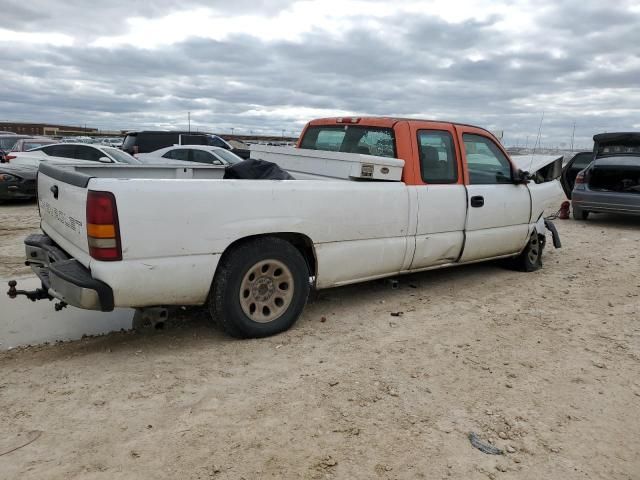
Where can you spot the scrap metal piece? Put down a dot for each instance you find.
(554, 233)
(483, 446)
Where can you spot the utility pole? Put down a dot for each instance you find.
(573, 133)
(232, 131)
(283, 133)
(189, 120)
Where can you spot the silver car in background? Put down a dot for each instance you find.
(611, 181)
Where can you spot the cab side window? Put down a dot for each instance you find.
(60, 150)
(178, 154)
(88, 153)
(437, 157)
(486, 163)
(200, 156)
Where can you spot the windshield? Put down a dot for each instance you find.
(120, 156)
(7, 143)
(619, 149)
(227, 156)
(216, 141)
(350, 139)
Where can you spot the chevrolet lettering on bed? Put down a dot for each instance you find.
(358, 199)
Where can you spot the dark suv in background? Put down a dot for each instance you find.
(151, 140)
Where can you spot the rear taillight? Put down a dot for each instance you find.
(8, 158)
(580, 178)
(103, 231)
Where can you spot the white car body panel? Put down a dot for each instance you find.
(499, 227)
(441, 216)
(179, 280)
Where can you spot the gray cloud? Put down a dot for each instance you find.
(579, 63)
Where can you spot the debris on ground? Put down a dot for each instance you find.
(483, 446)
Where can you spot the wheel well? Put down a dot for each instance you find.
(302, 243)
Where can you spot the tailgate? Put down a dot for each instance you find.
(62, 198)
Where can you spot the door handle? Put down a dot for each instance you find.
(477, 201)
(54, 190)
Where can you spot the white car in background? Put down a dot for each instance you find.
(71, 153)
(192, 153)
(111, 142)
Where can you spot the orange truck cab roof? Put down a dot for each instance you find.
(404, 130)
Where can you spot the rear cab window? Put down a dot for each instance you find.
(438, 163)
(350, 139)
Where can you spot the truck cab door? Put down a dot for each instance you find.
(440, 195)
(498, 209)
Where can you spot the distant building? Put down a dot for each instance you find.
(45, 129)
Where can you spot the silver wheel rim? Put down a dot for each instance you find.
(266, 291)
(534, 249)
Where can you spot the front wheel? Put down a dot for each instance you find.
(260, 288)
(530, 259)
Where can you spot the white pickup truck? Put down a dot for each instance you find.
(371, 198)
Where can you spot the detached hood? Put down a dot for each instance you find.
(534, 163)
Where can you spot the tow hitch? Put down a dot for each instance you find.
(33, 295)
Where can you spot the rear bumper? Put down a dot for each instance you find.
(606, 202)
(65, 278)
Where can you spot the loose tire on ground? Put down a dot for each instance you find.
(530, 259)
(580, 214)
(260, 288)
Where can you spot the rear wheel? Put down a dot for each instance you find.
(530, 259)
(580, 214)
(260, 288)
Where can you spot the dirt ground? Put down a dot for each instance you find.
(545, 365)
(17, 220)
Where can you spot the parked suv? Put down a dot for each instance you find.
(149, 141)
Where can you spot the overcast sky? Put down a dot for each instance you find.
(263, 66)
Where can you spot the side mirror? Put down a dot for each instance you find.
(105, 160)
(521, 177)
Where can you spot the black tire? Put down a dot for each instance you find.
(530, 259)
(234, 271)
(580, 214)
